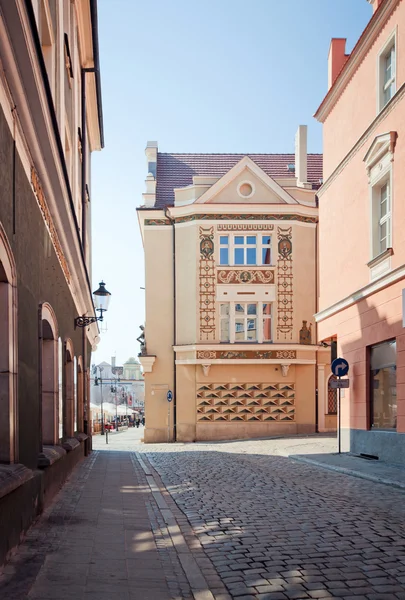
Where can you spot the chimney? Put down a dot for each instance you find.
(301, 155)
(375, 4)
(149, 197)
(336, 59)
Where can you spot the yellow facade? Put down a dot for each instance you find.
(230, 296)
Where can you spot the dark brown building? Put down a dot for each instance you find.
(50, 122)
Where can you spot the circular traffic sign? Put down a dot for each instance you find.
(169, 396)
(340, 367)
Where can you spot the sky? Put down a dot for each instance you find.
(197, 76)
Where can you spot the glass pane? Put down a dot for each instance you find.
(266, 239)
(267, 330)
(239, 256)
(384, 397)
(239, 239)
(223, 240)
(224, 335)
(251, 239)
(266, 256)
(251, 309)
(239, 330)
(224, 309)
(251, 256)
(388, 93)
(239, 309)
(267, 309)
(388, 69)
(383, 355)
(251, 329)
(383, 231)
(224, 256)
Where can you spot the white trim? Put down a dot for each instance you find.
(248, 346)
(246, 163)
(245, 361)
(216, 222)
(361, 293)
(381, 58)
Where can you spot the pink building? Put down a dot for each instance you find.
(362, 230)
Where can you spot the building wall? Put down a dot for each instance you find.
(355, 110)
(373, 312)
(40, 279)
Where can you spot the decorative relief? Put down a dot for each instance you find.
(246, 354)
(262, 276)
(39, 193)
(285, 283)
(247, 227)
(265, 217)
(207, 284)
(245, 402)
(157, 222)
(306, 334)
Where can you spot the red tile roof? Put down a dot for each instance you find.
(177, 170)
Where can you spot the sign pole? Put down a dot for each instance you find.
(168, 421)
(340, 423)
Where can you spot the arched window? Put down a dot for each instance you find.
(49, 375)
(80, 408)
(332, 397)
(69, 390)
(8, 353)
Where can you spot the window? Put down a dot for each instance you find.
(381, 199)
(387, 72)
(389, 76)
(249, 250)
(245, 322)
(383, 388)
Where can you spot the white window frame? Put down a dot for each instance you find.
(382, 85)
(381, 175)
(258, 246)
(259, 316)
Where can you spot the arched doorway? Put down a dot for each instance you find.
(8, 353)
(332, 397)
(49, 375)
(69, 391)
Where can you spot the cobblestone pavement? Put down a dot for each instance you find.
(213, 521)
(276, 528)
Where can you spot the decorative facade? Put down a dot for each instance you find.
(230, 264)
(361, 233)
(50, 123)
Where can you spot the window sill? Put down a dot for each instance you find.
(380, 257)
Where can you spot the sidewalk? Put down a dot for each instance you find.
(373, 470)
(101, 539)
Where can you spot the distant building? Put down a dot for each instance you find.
(361, 231)
(50, 123)
(124, 385)
(231, 285)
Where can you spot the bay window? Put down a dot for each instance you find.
(245, 322)
(249, 250)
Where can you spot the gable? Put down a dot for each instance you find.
(246, 183)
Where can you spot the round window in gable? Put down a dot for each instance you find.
(246, 189)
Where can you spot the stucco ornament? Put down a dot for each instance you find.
(305, 333)
(207, 247)
(284, 369)
(206, 369)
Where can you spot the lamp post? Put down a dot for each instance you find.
(114, 391)
(96, 383)
(101, 298)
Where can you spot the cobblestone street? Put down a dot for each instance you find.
(213, 521)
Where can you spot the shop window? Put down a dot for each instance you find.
(383, 385)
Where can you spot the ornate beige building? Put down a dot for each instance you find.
(231, 285)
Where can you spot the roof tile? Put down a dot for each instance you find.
(177, 170)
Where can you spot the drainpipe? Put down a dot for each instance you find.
(174, 329)
(315, 323)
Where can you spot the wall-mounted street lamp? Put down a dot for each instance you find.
(101, 302)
